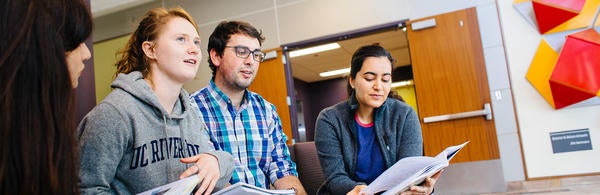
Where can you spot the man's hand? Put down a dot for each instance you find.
(290, 182)
(207, 168)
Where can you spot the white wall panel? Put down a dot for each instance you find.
(316, 18)
(537, 119)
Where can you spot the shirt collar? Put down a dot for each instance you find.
(224, 97)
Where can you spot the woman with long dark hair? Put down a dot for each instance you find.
(359, 138)
(41, 57)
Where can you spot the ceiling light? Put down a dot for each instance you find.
(334, 72)
(315, 49)
(402, 83)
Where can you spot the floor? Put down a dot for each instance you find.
(485, 178)
(557, 186)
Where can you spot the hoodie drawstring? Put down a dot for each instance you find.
(168, 169)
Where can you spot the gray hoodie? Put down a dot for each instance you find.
(130, 144)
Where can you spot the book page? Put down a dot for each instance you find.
(411, 171)
(451, 151)
(402, 171)
(247, 189)
(418, 178)
(182, 186)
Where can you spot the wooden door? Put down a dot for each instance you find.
(270, 83)
(450, 77)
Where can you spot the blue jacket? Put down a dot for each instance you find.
(396, 126)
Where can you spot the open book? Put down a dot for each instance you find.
(182, 186)
(247, 189)
(411, 171)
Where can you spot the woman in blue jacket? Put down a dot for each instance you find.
(358, 139)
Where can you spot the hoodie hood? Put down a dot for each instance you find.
(134, 84)
(130, 144)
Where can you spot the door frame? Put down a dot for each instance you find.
(286, 48)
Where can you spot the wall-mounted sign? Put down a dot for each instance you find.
(572, 140)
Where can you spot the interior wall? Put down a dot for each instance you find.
(537, 119)
(316, 96)
(408, 95)
(105, 60)
(278, 19)
(303, 108)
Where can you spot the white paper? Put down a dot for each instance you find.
(247, 189)
(411, 171)
(182, 186)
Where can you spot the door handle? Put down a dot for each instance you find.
(487, 112)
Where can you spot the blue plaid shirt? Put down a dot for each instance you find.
(252, 134)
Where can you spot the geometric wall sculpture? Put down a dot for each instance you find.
(551, 13)
(576, 76)
(566, 67)
(540, 70)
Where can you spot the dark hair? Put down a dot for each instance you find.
(395, 95)
(132, 56)
(222, 33)
(359, 57)
(38, 144)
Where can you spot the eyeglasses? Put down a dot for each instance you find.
(244, 52)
